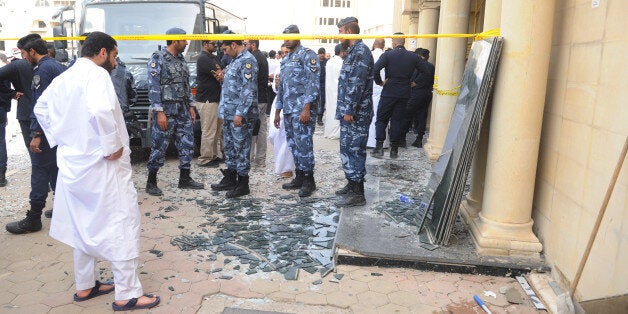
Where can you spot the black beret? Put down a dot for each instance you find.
(291, 29)
(347, 20)
(27, 38)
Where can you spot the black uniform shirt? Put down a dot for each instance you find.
(20, 73)
(424, 80)
(400, 65)
(262, 76)
(208, 87)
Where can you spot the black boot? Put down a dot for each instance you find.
(48, 213)
(296, 183)
(355, 197)
(186, 182)
(378, 151)
(31, 223)
(346, 189)
(241, 189)
(309, 186)
(319, 120)
(418, 142)
(394, 151)
(228, 182)
(3, 178)
(151, 184)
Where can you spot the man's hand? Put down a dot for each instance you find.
(237, 121)
(305, 115)
(383, 82)
(18, 95)
(193, 115)
(412, 84)
(115, 155)
(34, 146)
(162, 121)
(348, 118)
(277, 121)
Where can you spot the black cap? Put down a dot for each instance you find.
(228, 41)
(291, 29)
(347, 20)
(175, 31)
(27, 38)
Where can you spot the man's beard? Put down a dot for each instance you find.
(345, 44)
(108, 65)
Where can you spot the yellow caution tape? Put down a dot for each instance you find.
(448, 92)
(490, 33)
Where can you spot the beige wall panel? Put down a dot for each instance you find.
(570, 177)
(584, 63)
(543, 198)
(611, 111)
(580, 102)
(542, 227)
(589, 22)
(575, 141)
(555, 96)
(565, 218)
(559, 62)
(563, 26)
(616, 21)
(605, 149)
(613, 65)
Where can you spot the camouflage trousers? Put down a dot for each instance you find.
(353, 138)
(179, 126)
(238, 145)
(299, 138)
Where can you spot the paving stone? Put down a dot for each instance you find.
(439, 286)
(393, 308)
(469, 287)
(265, 287)
(342, 299)
(383, 286)
(28, 298)
(363, 275)
(403, 298)
(26, 287)
(351, 285)
(372, 299)
(206, 287)
(435, 299)
(311, 297)
(409, 285)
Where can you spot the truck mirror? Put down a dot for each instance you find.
(59, 31)
(218, 29)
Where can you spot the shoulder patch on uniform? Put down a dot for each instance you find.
(313, 61)
(248, 65)
(248, 76)
(153, 65)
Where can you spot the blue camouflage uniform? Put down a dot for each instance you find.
(239, 98)
(299, 85)
(355, 90)
(169, 91)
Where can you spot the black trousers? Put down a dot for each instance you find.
(416, 111)
(390, 109)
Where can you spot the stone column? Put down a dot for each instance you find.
(428, 24)
(454, 19)
(504, 226)
(473, 202)
(413, 27)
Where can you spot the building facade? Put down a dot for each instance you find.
(556, 127)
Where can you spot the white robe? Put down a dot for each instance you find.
(284, 161)
(95, 202)
(377, 92)
(332, 126)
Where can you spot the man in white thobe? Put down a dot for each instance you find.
(378, 50)
(332, 126)
(96, 209)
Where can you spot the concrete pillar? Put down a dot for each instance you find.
(454, 19)
(428, 24)
(473, 202)
(413, 27)
(504, 225)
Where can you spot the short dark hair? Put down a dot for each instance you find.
(96, 41)
(254, 41)
(26, 39)
(321, 50)
(39, 45)
(272, 53)
(353, 27)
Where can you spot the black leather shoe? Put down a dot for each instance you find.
(48, 213)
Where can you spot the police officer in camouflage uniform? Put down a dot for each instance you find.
(169, 95)
(355, 111)
(297, 94)
(239, 112)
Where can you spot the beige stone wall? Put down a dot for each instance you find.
(584, 127)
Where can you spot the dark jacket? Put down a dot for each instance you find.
(424, 80)
(400, 64)
(207, 86)
(262, 76)
(20, 74)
